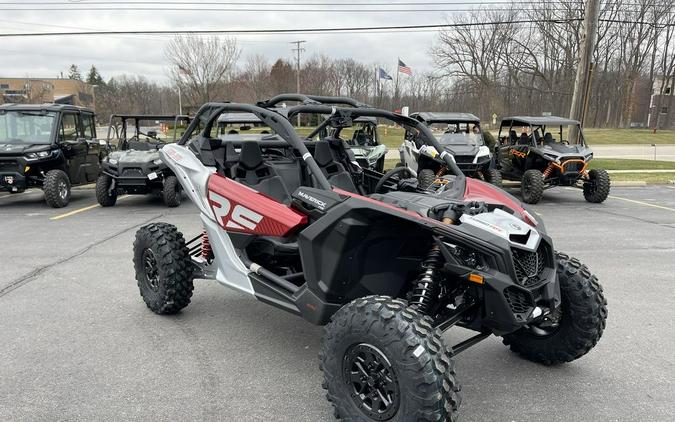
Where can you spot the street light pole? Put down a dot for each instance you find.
(298, 49)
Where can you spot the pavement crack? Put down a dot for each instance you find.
(27, 278)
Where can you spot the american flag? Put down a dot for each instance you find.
(403, 68)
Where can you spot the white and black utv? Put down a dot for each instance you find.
(135, 167)
(461, 136)
(549, 151)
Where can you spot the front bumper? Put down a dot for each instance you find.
(13, 182)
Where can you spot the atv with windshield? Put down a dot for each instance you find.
(135, 168)
(286, 221)
(461, 136)
(47, 146)
(548, 152)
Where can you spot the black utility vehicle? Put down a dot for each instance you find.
(47, 146)
(135, 168)
(548, 152)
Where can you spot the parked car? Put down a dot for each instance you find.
(461, 136)
(48, 146)
(135, 167)
(543, 155)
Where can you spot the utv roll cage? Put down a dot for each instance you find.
(310, 99)
(534, 123)
(121, 132)
(208, 114)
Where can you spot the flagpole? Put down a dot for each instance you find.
(398, 59)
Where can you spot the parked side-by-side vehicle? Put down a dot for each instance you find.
(544, 152)
(135, 167)
(383, 264)
(48, 146)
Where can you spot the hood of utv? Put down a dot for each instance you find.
(134, 157)
(21, 149)
(561, 151)
(462, 150)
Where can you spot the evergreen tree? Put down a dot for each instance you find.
(74, 73)
(95, 78)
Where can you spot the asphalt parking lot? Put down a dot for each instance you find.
(77, 342)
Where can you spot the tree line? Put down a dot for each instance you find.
(525, 64)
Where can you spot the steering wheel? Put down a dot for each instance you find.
(393, 175)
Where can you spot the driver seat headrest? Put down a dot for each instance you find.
(250, 157)
(322, 154)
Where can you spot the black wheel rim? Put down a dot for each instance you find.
(371, 381)
(151, 270)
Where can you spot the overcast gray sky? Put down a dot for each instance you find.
(143, 54)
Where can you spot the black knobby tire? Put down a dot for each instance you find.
(596, 189)
(167, 286)
(104, 196)
(425, 178)
(57, 188)
(424, 386)
(172, 192)
(493, 176)
(582, 322)
(532, 186)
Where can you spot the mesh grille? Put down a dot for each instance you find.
(519, 301)
(529, 265)
(9, 166)
(132, 172)
(572, 167)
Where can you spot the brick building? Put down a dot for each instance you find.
(47, 90)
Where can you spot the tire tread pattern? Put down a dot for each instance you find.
(585, 323)
(431, 374)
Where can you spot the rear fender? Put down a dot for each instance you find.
(192, 174)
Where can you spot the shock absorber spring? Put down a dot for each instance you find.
(441, 171)
(207, 252)
(548, 170)
(425, 285)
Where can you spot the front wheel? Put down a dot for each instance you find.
(580, 321)
(426, 178)
(57, 188)
(105, 196)
(493, 176)
(532, 186)
(172, 192)
(596, 189)
(163, 268)
(382, 360)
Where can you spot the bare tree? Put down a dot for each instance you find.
(202, 65)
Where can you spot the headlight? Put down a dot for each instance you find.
(588, 157)
(551, 157)
(157, 162)
(468, 257)
(112, 161)
(38, 155)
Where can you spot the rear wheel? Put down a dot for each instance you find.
(57, 188)
(596, 189)
(104, 195)
(384, 361)
(163, 268)
(493, 176)
(532, 186)
(172, 192)
(582, 318)
(426, 177)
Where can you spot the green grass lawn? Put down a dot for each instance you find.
(627, 164)
(628, 136)
(650, 178)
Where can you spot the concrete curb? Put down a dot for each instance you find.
(620, 183)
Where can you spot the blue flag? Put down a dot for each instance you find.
(381, 74)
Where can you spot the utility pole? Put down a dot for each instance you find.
(582, 80)
(298, 49)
